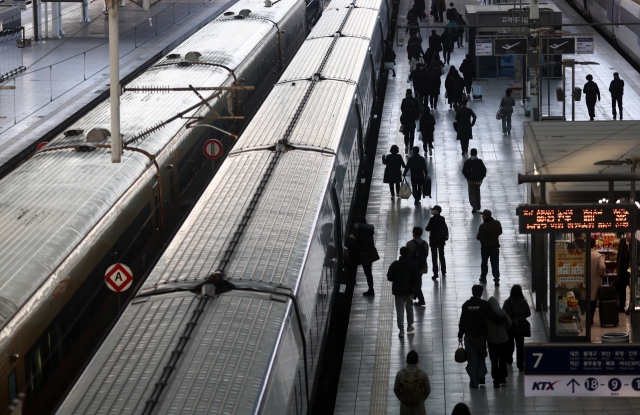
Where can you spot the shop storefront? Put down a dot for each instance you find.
(573, 281)
(502, 20)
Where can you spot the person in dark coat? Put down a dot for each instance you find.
(461, 409)
(421, 84)
(418, 81)
(412, 245)
(474, 171)
(438, 235)
(623, 263)
(420, 6)
(418, 167)
(457, 89)
(461, 24)
(435, 42)
(427, 128)
(389, 58)
(448, 85)
(578, 241)
(393, 171)
(465, 119)
(414, 51)
(616, 87)
(408, 121)
(361, 242)
(448, 43)
(591, 93)
(468, 70)
(452, 13)
(434, 84)
(517, 309)
(488, 234)
(442, 7)
(405, 277)
(473, 326)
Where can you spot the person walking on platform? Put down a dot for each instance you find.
(427, 128)
(448, 85)
(447, 45)
(461, 409)
(616, 87)
(415, 53)
(419, 249)
(435, 43)
(506, 108)
(408, 121)
(418, 78)
(461, 29)
(465, 120)
(418, 167)
(405, 277)
(420, 6)
(518, 310)
(591, 93)
(393, 171)
(361, 242)
(468, 70)
(488, 235)
(436, 66)
(438, 236)
(473, 327)
(434, 85)
(474, 171)
(457, 90)
(412, 387)
(442, 7)
(452, 13)
(389, 59)
(498, 343)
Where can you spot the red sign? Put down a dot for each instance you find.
(212, 149)
(41, 145)
(118, 277)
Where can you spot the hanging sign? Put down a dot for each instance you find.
(510, 46)
(584, 45)
(484, 47)
(559, 46)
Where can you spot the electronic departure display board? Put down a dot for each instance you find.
(574, 218)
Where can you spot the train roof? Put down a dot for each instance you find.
(361, 23)
(275, 241)
(51, 203)
(222, 367)
(364, 4)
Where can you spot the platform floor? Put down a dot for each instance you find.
(374, 352)
(65, 75)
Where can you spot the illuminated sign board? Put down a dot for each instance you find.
(574, 218)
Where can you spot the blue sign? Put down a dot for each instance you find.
(583, 359)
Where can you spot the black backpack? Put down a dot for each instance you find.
(420, 254)
(443, 232)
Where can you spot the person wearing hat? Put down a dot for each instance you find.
(438, 236)
(591, 92)
(465, 120)
(616, 87)
(488, 234)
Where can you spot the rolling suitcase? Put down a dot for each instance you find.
(476, 92)
(426, 187)
(608, 312)
(607, 293)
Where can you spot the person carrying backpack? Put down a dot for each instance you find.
(412, 387)
(419, 249)
(438, 236)
(405, 277)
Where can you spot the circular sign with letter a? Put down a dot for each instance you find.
(118, 277)
(212, 149)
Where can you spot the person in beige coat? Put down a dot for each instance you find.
(598, 270)
(412, 370)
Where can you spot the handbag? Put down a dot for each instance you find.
(388, 66)
(461, 354)
(370, 255)
(522, 328)
(402, 128)
(405, 190)
(499, 114)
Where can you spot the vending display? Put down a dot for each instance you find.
(570, 287)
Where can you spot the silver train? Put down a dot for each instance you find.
(234, 316)
(620, 12)
(68, 213)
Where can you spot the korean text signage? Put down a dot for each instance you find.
(572, 218)
(510, 46)
(582, 370)
(559, 46)
(484, 47)
(584, 45)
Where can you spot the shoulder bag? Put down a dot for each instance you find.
(499, 114)
(461, 354)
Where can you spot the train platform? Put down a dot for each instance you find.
(64, 77)
(373, 352)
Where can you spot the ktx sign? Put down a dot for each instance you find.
(559, 46)
(118, 277)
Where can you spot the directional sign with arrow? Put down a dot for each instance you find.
(559, 46)
(573, 383)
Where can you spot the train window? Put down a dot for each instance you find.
(77, 315)
(13, 386)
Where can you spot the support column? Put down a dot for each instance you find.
(114, 78)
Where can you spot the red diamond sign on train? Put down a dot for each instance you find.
(118, 277)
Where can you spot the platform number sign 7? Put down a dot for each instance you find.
(539, 358)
